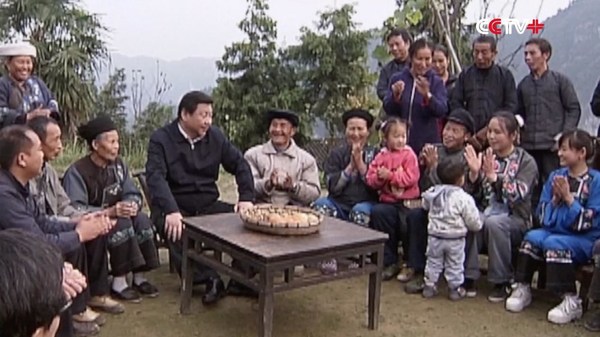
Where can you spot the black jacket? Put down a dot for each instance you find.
(596, 104)
(19, 210)
(182, 177)
(483, 92)
(383, 84)
(549, 106)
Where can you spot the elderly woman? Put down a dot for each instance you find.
(23, 95)
(101, 180)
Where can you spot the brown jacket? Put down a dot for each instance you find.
(296, 162)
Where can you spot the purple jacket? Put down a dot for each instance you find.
(425, 113)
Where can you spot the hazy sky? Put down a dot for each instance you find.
(177, 29)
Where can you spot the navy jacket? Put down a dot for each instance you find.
(19, 210)
(425, 113)
(15, 106)
(182, 177)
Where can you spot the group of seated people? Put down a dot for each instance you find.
(445, 202)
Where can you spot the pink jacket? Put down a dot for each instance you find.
(404, 182)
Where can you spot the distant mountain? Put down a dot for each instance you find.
(575, 37)
(183, 75)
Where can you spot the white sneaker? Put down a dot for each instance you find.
(568, 310)
(519, 299)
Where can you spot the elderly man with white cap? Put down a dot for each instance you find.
(23, 95)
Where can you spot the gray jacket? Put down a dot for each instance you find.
(50, 196)
(452, 212)
(549, 106)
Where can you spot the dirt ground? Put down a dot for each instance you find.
(335, 309)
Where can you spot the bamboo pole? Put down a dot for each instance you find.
(447, 36)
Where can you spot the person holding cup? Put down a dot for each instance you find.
(101, 180)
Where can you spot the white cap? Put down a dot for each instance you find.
(18, 49)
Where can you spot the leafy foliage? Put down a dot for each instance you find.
(111, 99)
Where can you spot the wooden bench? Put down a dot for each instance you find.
(160, 241)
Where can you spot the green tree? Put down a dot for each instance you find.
(111, 99)
(331, 63)
(253, 79)
(154, 116)
(70, 48)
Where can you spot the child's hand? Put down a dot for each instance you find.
(383, 173)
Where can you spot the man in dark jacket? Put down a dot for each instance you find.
(548, 104)
(182, 169)
(398, 42)
(485, 87)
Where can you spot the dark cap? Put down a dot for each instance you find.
(464, 118)
(358, 113)
(96, 127)
(291, 116)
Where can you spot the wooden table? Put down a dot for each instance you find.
(269, 256)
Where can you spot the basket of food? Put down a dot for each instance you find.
(282, 220)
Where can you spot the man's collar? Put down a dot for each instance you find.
(291, 151)
(186, 137)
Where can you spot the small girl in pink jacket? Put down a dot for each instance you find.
(395, 170)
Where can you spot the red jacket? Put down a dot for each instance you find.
(404, 182)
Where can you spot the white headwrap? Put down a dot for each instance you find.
(18, 49)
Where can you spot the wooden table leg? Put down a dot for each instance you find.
(187, 275)
(375, 290)
(265, 299)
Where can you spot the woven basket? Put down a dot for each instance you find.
(282, 220)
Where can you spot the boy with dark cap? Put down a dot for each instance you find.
(101, 180)
(283, 173)
(459, 128)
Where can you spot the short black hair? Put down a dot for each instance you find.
(419, 44)
(449, 171)
(543, 44)
(39, 125)
(403, 33)
(30, 283)
(578, 140)
(13, 140)
(486, 39)
(189, 102)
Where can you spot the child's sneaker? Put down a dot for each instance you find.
(429, 291)
(519, 299)
(470, 288)
(406, 274)
(568, 310)
(457, 294)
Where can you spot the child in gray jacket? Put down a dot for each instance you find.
(452, 212)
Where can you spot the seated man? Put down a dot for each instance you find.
(101, 180)
(21, 160)
(283, 173)
(182, 170)
(33, 307)
(345, 168)
(52, 200)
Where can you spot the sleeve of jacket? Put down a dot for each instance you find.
(470, 213)
(77, 191)
(410, 174)
(10, 116)
(520, 104)
(372, 179)
(581, 218)
(570, 102)
(545, 208)
(390, 106)
(130, 191)
(456, 99)
(234, 163)
(259, 182)
(382, 83)
(510, 92)
(16, 215)
(596, 101)
(309, 186)
(156, 176)
(65, 208)
(438, 104)
(49, 100)
(334, 167)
